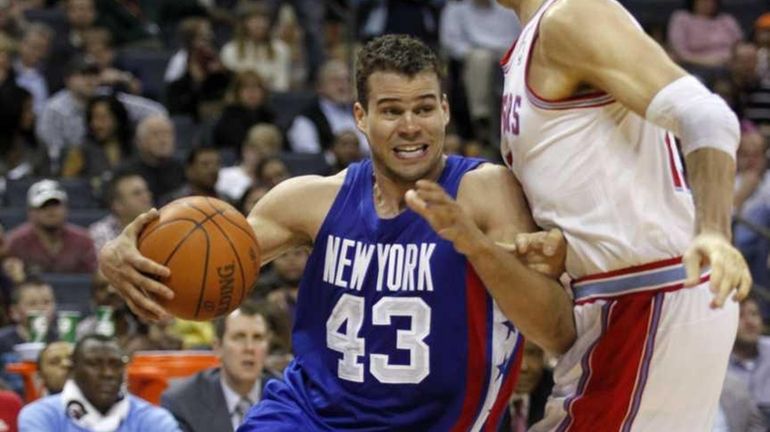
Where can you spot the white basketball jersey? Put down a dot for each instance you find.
(608, 178)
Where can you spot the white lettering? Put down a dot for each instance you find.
(425, 278)
(330, 259)
(410, 262)
(395, 267)
(361, 265)
(343, 262)
(382, 258)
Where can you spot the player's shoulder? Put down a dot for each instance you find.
(575, 20)
(485, 176)
(310, 186)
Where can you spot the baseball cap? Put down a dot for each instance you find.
(43, 191)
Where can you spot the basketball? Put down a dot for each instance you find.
(211, 251)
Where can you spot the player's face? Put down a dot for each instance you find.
(750, 323)
(243, 347)
(405, 123)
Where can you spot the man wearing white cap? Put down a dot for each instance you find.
(46, 242)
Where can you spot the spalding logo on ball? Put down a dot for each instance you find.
(211, 251)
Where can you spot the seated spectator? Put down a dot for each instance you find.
(217, 399)
(252, 195)
(20, 153)
(750, 359)
(702, 36)
(29, 64)
(762, 40)
(53, 366)
(105, 295)
(12, 20)
(127, 197)
(201, 88)
(255, 48)
(262, 140)
(280, 289)
(737, 411)
(751, 97)
(201, 172)
(127, 21)
(47, 243)
(109, 139)
(154, 159)
(272, 170)
(312, 131)
(10, 406)
(69, 41)
(63, 122)
(247, 106)
(12, 273)
(752, 181)
(113, 74)
(93, 400)
(476, 34)
(30, 296)
(154, 336)
(190, 31)
(528, 401)
(345, 150)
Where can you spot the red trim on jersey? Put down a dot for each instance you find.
(674, 170)
(507, 57)
(564, 103)
(629, 270)
(614, 367)
(665, 289)
(476, 304)
(506, 390)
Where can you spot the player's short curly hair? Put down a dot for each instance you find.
(401, 54)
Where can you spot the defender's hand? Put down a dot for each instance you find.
(132, 274)
(445, 216)
(542, 251)
(729, 271)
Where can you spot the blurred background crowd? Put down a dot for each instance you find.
(111, 107)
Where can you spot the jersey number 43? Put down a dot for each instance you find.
(351, 309)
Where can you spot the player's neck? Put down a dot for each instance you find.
(525, 9)
(388, 192)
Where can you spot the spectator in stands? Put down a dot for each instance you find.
(29, 64)
(11, 274)
(199, 91)
(762, 40)
(10, 406)
(47, 243)
(217, 399)
(310, 16)
(282, 285)
(255, 48)
(126, 324)
(21, 155)
(260, 142)
(12, 20)
(53, 366)
(752, 181)
(750, 359)
(127, 197)
(93, 400)
(113, 74)
(7, 52)
(246, 107)
(414, 18)
(201, 171)
(108, 140)
(476, 34)
(154, 159)
(272, 170)
(528, 403)
(737, 411)
(254, 193)
(154, 336)
(346, 150)
(62, 124)
(192, 31)
(312, 131)
(751, 97)
(453, 144)
(32, 295)
(69, 40)
(701, 37)
(127, 21)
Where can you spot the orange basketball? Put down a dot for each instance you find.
(211, 251)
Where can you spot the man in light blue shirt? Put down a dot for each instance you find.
(92, 400)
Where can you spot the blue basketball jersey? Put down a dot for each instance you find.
(393, 329)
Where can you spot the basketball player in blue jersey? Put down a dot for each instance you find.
(398, 326)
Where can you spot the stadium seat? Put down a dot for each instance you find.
(16, 192)
(287, 105)
(85, 217)
(72, 290)
(150, 66)
(147, 379)
(12, 217)
(305, 163)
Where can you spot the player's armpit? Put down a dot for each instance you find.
(291, 213)
(615, 56)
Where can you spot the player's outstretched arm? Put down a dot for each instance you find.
(491, 207)
(619, 58)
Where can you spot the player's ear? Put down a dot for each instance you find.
(445, 109)
(360, 115)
